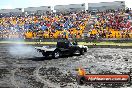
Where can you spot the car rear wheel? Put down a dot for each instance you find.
(45, 54)
(56, 54)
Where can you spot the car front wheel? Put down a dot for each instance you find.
(56, 54)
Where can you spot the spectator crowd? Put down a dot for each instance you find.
(109, 24)
(112, 24)
(50, 26)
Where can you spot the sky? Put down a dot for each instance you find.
(11, 4)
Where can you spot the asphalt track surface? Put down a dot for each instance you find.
(21, 66)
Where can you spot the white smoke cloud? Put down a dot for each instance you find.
(23, 51)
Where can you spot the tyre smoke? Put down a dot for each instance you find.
(22, 51)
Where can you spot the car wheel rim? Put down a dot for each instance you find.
(57, 54)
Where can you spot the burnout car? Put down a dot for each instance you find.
(62, 48)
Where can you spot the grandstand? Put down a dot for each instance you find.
(40, 23)
(38, 10)
(9, 12)
(70, 8)
(103, 6)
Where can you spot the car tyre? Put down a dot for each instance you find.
(45, 54)
(82, 52)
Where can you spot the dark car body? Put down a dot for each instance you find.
(62, 48)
